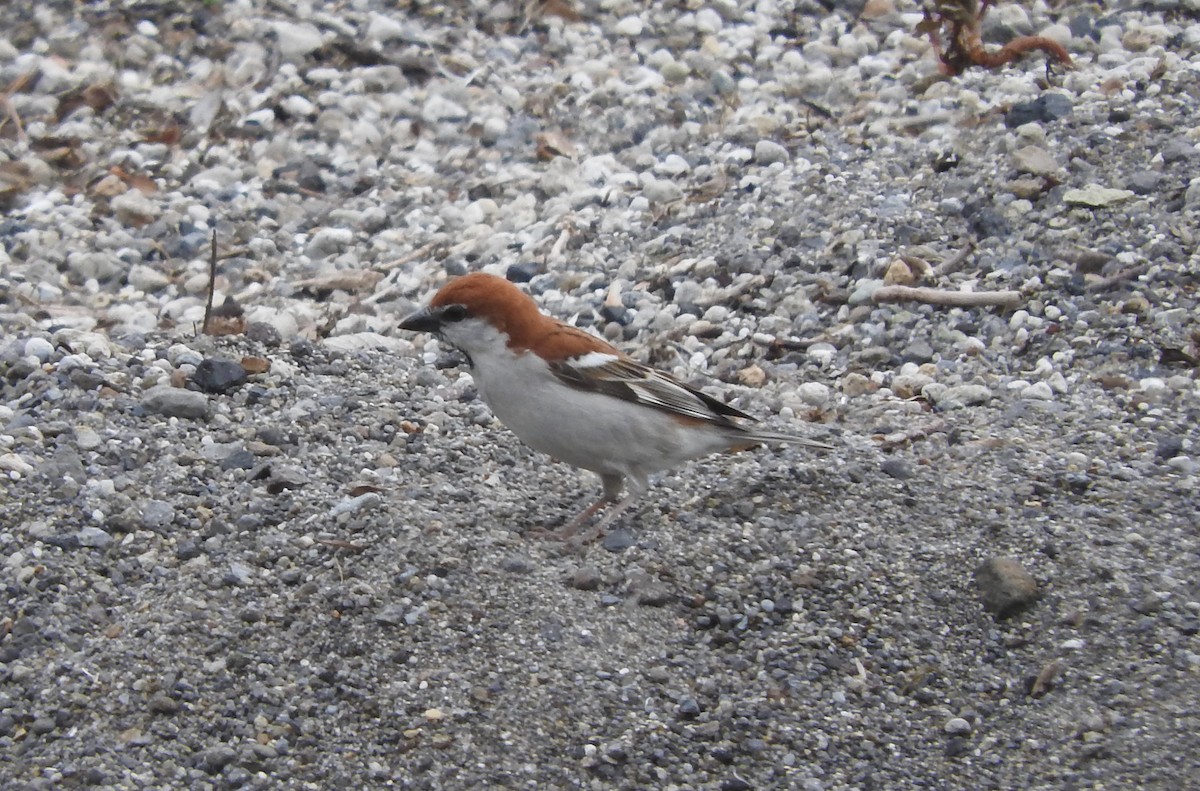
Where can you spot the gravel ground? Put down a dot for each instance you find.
(300, 555)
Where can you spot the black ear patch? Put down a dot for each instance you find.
(455, 312)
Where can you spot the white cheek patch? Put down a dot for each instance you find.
(594, 360)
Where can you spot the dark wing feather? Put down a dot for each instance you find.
(632, 381)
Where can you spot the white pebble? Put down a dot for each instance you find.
(145, 278)
(813, 393)
(1182, 464)
(629, 26)
(672, 165)
(822, 353)
(1038, 391)
(382, 28)
(767, 152)
(12, 463)
(40, 348)
(298, 105)
(1079, 461)
(708, 21)
(297, 39)
(87, 438)
(661, 190)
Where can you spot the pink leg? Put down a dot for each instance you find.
(569, 531)
(610, 517)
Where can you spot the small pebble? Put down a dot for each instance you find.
(1005, 586)
(813, 393)
(175, 402)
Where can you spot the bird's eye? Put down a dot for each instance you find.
(454, 313)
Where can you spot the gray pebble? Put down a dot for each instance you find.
(175, 402)
(814, 393)
(219, 375)
(214, 759)
(391, 615)
(1049, 106)
(1144, 182)
(329, 241)
(94, 537)
(586, 578)
(956, 397)
(1178, 150)
(239, 574)
(156, 514)
(864, 291)
(163, 704)
(1035, 160)
(239, 459)
(618, 540)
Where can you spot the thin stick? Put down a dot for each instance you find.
(955, 262)
(212, 282)
(420, 252)
(934, 296)
(1129, 273)
(6, 100)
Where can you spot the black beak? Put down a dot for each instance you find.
(424, 320)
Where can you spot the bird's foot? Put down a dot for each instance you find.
(573, 533)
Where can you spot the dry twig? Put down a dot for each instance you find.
(338, 543)
(212, 284)
(956, 261)
(6, 101)
(958, 299)
(1116, 278)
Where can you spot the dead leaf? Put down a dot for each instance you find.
(558, 8)
(255, 365)
(99, 97)
(225, 325)
(168, 135)
(108, 187)
(553, 144)
(15, 178)
(144, 184)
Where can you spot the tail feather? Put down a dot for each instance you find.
(754, 436)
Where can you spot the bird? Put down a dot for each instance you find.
(577, 398)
